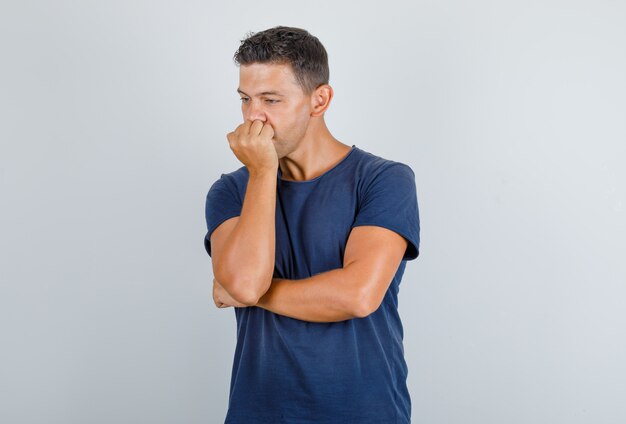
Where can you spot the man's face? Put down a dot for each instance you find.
(270, 93)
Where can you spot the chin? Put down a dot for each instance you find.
(281, 153)
(280, 148)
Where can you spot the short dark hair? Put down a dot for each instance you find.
(295, 46)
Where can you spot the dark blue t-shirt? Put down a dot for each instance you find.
(290, 371)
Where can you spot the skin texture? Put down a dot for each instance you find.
(284, 127)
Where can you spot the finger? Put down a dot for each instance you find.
(267, 131)
(218, 301)
(215, 296)
(256, 127)
(244, 128)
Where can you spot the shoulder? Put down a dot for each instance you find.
(237, 176)
(372, 168)
(387, 198)
(234, 182)
(231, 185)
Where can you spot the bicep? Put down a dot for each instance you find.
(219, 237)
(374, 254)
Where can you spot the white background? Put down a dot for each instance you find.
(113, 118)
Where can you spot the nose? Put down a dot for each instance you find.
(253, 111)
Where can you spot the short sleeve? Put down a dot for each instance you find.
(222, 203)
(390, 201)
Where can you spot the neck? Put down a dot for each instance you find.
(317, 152)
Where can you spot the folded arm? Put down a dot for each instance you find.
(243, 247)
(371, 259)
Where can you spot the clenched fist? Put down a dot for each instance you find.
(221, 297)
(252, 143)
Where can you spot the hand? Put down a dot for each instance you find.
(252, 143)
(221, 297)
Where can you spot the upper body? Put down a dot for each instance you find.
(291, 370)
(308, 242)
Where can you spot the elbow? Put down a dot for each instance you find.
(364, 304)
(246, 297)
(246, 291)
(363, 310)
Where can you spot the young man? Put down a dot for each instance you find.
(309, 241)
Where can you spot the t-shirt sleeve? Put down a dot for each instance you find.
(390, 201)
(222, 203)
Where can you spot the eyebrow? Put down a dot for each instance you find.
(265, 93)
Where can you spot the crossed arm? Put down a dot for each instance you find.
(243, 250)
(371, 259)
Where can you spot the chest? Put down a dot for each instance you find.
(313, 224)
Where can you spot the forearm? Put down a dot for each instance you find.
(335, 295)
(245, 264)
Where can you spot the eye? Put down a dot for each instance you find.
(244, 99)
(272, 101)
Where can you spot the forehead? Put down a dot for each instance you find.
(263, 77)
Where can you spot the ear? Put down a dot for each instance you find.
(320, 99)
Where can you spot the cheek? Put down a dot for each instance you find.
(276, 120)
(299, 115)
(290, 121)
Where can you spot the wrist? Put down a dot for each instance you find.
(264, 300)
(263, 172)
